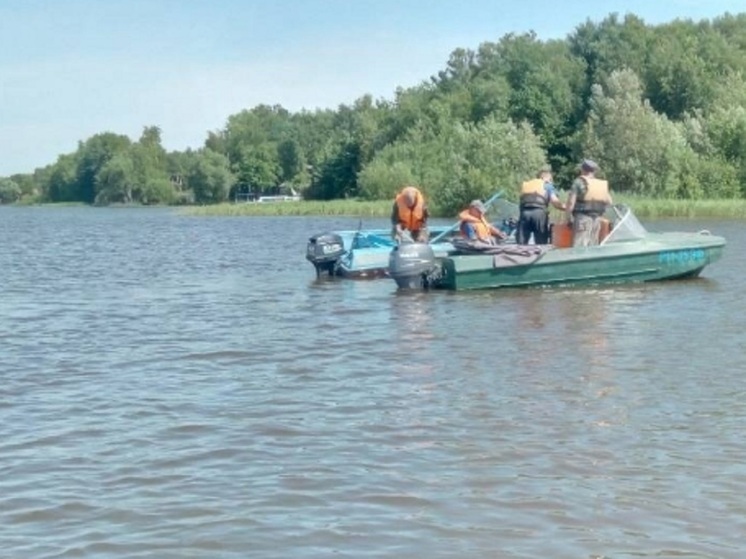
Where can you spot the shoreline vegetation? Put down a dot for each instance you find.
(645, 208)
(660, 108)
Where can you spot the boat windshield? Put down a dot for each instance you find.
(368, 239)
(625, 226)
(502, 211)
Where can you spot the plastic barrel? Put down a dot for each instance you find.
(562, 235)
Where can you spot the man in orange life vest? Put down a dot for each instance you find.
(475, 226)
(535, 197)
(588, 199)
(410, 214)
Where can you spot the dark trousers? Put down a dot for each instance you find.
(533, 221)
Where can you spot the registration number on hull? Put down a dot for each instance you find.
(684, 256)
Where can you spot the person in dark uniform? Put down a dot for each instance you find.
(536, 195)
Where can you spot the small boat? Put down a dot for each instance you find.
(364, 253)
(627, 253)
(282, 198)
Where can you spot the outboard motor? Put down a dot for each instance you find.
(411, 265)
(324, 251)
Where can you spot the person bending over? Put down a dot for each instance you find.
(409, 213)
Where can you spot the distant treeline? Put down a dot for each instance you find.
(661, 108)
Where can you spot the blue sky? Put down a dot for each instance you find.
(72, 69)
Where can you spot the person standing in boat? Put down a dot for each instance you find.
(535, 197)
(588, 199)
(409, 213)
(474, 225)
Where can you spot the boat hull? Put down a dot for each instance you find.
(660, 256)
(374, 262)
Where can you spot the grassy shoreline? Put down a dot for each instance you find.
(645, 208)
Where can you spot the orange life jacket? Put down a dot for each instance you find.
(596, 197)
(412, 219)
(481, 226)
(533, 195)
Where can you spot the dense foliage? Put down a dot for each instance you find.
(661, 108)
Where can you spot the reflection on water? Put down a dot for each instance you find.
(182, 387)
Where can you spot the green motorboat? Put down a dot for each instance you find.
(628, 253)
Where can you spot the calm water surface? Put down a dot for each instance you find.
(181, 387)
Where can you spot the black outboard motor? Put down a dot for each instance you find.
(324, 251)
(411, 265)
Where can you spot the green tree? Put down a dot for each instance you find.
(490, 97)
(457, 164)
(9, 191)
(543, 78)
(152, 183)
(338, 175)
(678, 74)
(116, 180)
(633, 143)
(27, 185)
(290, 159)
(211, 179)
(315, 133)
(92, 155)
(179, 166)
(137, 173)
(263, 127)
(611, 45)
(61, 183)
(726, 129)
(642, 151)
(257, 167)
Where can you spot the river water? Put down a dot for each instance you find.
(183, 387)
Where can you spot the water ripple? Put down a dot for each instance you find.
(177, 387)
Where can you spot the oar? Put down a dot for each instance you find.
(487, 204)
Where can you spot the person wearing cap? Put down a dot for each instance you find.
(535, 197)
(409, 213)
(474, 225)
(588, 199)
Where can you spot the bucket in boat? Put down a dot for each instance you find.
(562, 235)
